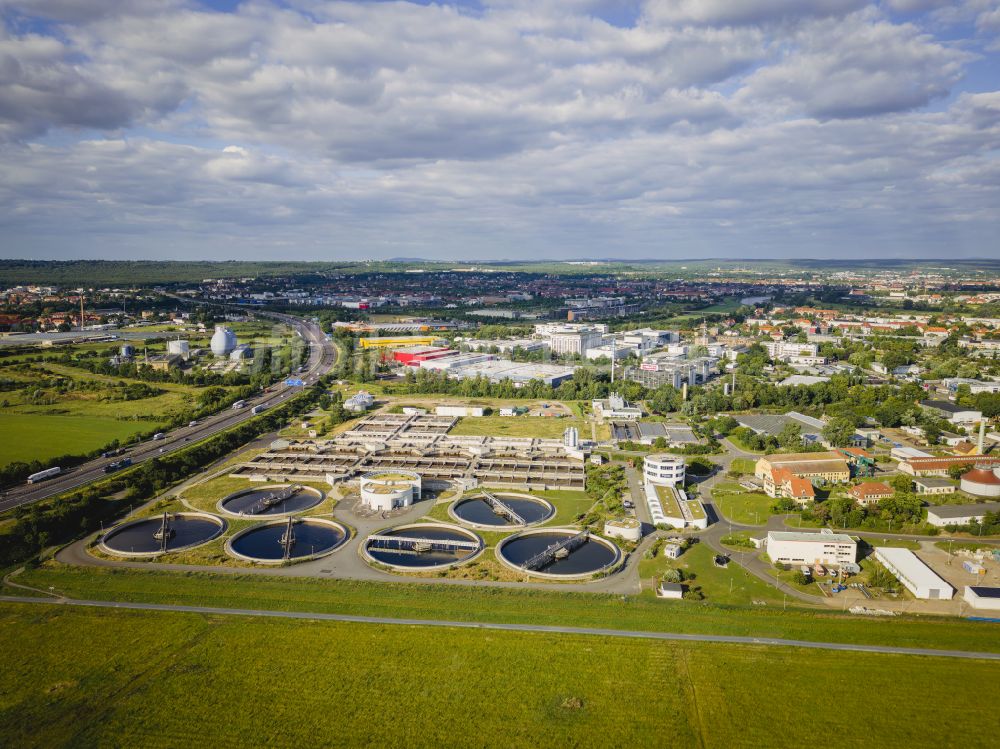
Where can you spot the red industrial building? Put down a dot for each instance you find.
(413, 355)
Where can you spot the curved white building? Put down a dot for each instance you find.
(663, 469)
(982, 481)
(223, 341)
(629, 529)
(387, 491)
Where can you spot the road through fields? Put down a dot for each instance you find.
(322, 358)
(539, 628)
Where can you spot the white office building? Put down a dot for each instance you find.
(664, 470)
(616, 407)
(825, 547)
(572, 339)
(785, 350)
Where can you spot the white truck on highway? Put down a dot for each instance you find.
(42, 475)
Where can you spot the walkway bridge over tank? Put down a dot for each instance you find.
(417, 545)
(502, 509)
(558, 550)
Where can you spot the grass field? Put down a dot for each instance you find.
(744, 465)
(89, 678)
(25, 437)
(83, 420)
(406, 600)
(519, 426)
(731, 586)
(741, 506)
(568, 504)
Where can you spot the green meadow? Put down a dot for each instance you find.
(74, 678)
(508, 605)
(26, 437)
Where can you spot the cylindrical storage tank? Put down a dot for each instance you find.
(981, 481)
(664, 469)
(390, 490)
(628, 529)
(223, 341)
(181, 348)
(127, 351)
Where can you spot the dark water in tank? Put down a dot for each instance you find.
(590, 557)
(477, 511)
(427, 558)
(138, 538)
(299, 501)
(310, 538)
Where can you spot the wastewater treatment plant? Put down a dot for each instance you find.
(500, 511)
(161, 534)
(277, 499)
(559, 553)
(287, 540)
(422, 546)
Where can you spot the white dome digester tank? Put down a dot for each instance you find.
(223, 341)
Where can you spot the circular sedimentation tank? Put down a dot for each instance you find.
(422, 546)
(271, 500)
(270, 543)
(558, 553)
(161, 534)
(510, 511)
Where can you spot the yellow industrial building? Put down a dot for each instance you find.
(397, 341)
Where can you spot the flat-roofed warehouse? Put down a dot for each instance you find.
(980, 597)
(773, 423)
(646, 432)
(913, 573)
(944, 515)
(827, 466)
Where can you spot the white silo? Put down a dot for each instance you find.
(223, 341)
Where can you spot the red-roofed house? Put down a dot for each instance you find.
(870, 493)
(781, 482)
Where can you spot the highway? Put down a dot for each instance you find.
(322, 358)
(539, 628)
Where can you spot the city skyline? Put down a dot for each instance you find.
(499, 130)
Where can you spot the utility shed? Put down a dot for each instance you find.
(980, 597)
(670, 590)
(918, 578)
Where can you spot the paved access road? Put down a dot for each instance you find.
(322, 358)
(540, 628)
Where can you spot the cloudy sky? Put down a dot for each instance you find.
(499, 129)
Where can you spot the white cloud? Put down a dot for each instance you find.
(738, 12)
(857, 67)
(520, 127)
(915, 6)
